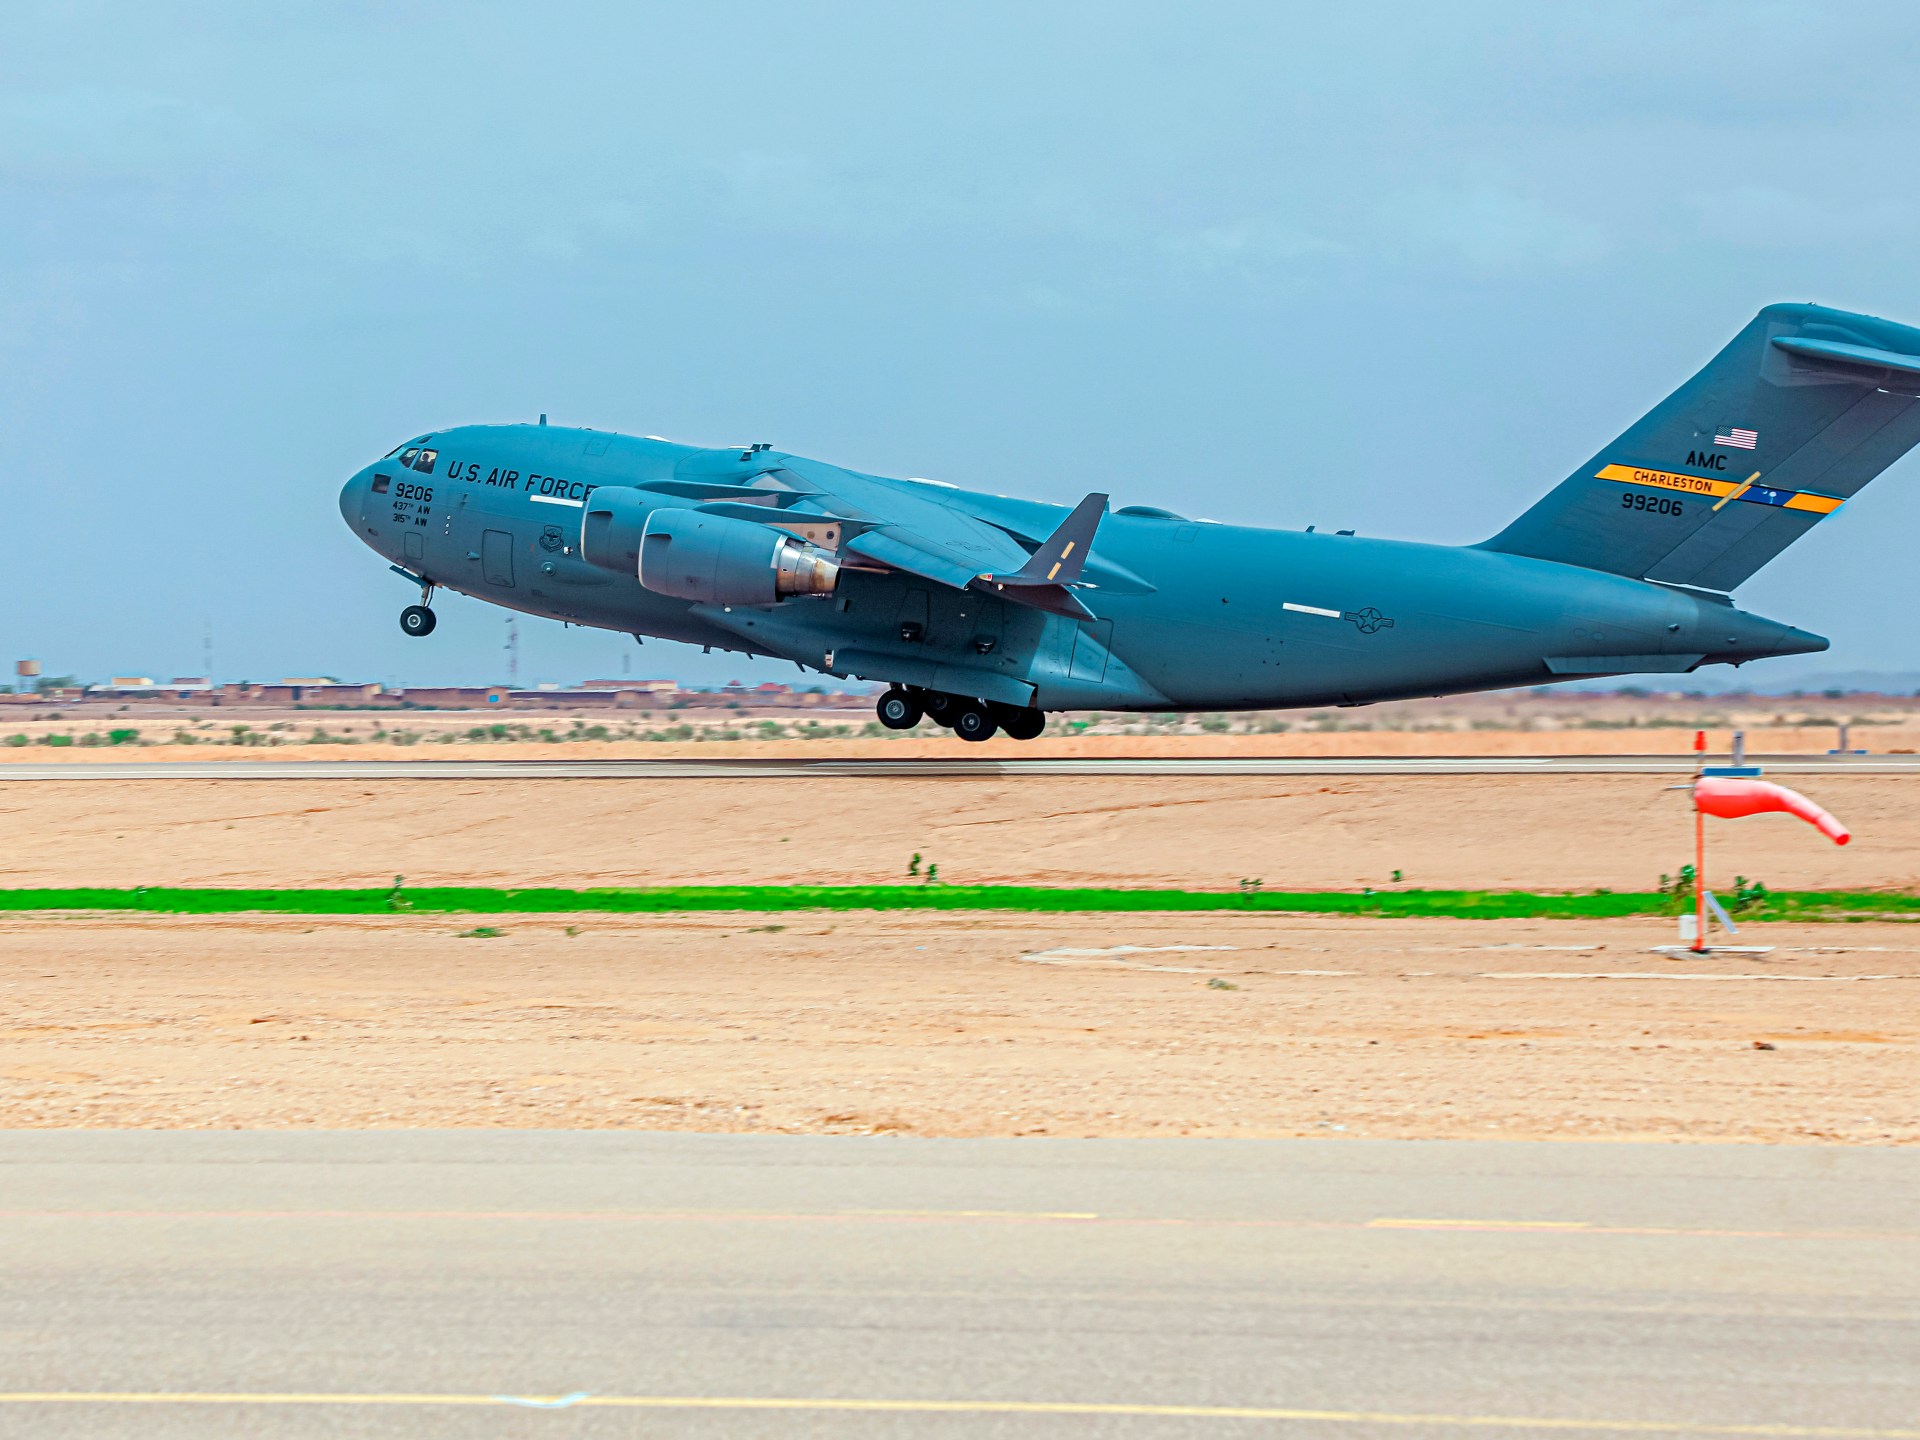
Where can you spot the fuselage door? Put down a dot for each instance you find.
(1091, 642)
(496, 557)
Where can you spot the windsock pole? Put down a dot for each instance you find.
(1699, 882)
(1699, 860)
(1730, 792)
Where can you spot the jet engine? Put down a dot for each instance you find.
(613, 522)
(722, 561)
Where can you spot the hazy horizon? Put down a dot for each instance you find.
(1386, 267)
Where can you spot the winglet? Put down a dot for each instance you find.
(1062, 554)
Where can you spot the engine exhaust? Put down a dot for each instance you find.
(803, 569)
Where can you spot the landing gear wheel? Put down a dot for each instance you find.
(973, 721)
(1021, 722)
(417, 620)
(898, 710)
(939, 707)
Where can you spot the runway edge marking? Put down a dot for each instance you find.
(583, 1400)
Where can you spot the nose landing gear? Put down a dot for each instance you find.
(417, 620)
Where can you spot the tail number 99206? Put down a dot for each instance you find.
(1652, 504)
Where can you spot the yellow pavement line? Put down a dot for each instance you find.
(971, 1407)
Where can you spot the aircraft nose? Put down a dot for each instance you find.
(352, 495)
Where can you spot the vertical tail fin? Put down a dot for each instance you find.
(1792, 418)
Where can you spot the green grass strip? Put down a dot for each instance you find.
(477, 900)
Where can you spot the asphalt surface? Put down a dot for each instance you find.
(506, 1283)
(958, 768)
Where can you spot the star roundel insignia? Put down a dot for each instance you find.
(1368, 620)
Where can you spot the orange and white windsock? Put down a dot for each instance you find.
(1731, 799)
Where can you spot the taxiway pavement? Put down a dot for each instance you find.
(958, 768)
(455, 1283)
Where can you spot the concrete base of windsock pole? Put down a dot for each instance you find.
(1732, 793)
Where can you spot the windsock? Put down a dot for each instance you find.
(1732, 799)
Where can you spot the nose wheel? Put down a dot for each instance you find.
(417, 620)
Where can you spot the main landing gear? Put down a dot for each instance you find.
(898, 710)
(902, 707)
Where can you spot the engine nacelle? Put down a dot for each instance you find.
(614, 520)
(720, 561)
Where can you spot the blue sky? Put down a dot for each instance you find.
(1399, 267)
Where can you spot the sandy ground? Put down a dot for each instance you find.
(951, 1024)
(961, 1025)
(1529, 832)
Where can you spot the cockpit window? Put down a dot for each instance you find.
(414, 443)
(423, 462)
(407, 459)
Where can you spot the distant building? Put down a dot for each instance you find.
(314, 692)
(644, 687)
(143, 687)
(557, 699)
(300, 692)
(455, 697)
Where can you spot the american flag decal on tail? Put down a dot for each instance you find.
(1736, 438)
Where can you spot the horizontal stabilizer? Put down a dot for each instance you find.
(1835, 352)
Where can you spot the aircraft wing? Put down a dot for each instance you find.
(896, 525)
(899, 548)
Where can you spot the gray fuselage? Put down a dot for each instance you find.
(1190, 615)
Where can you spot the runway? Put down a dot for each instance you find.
(474, 1282)
(958, 768)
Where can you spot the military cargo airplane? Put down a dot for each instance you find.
(983, 613)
